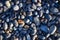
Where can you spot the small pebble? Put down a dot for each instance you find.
(1, 4)
(8, 4)
(35, 36)
(1, 37)
(21, 22)
(16, 8)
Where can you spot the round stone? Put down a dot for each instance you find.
(16, 8)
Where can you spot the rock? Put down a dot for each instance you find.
(36, 20)
(16, 8)
(44, 28)
(5, 25)
(1, 37)
(52, 29)
(8, 4)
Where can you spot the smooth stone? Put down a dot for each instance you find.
(52, 29)
(44, 28)
(37, 21)
(5, 25)
(28, 37)
(16, 8)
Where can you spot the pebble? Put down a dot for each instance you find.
(28, 37)
(21, 22)
(44, 28)
(1, 10)
(35, 30)
(34, 6)
(56, 10)
(26, 26)
(1, 37)
(22, 16)
(16, 39)
(58, 39)
(47, 11)
(41, 13)
(1, 4)
(21, 5)
(36, 20)
(38, 4)
(16, 23)
(27, 21)
(5, 25)
(5, 8)
(8, 4)
(24, 38)
(16, 8)
(11, 25)
(52, 29)
(35, 36)
(7, 19)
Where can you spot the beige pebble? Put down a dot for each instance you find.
(26, 26)
(5, 25)
(15, 38)
(38, 4)
(1, 37)
(8, 4)
(35, 37)
(21, 22)
(34, 6)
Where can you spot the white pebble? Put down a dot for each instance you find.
(55, 10)
(17, 2)
(30, 14)
(22, 17)
(11, 25)
(1, 4)
(41, 13)
(16, 8)
(37, 21)
(52, 30)
(24, 38)
(16, 23)
(16, 39)
(39, 1)
(27, 21)
(47, 11)
(58, 39)
(5, 25)
(57, 1)
(38, 4)
(1, 10)
(34, 6)
(34, 37)
(47, 35)
(7, 20)
(21, 5)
